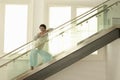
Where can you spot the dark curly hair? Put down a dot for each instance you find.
(42, 25)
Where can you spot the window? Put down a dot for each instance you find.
(58, 16)
(15, 33)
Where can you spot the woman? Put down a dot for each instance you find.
(40, 40)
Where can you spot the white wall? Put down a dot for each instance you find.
(113, 60)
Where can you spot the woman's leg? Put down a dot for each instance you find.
(33, 58)
(45, 56)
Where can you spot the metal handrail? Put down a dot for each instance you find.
(64, 31)
(13, 59)
(83, 15)
(16, 49)
(98, 12)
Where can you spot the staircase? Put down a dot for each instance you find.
(78, 47)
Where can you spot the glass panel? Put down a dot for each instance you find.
(92, 24)
(15, 68)
(15, 26)
(89, 27)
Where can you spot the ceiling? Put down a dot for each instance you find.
(76, 2)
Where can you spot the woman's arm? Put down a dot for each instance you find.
(36, 36)
(50, 29)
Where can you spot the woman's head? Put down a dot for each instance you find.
(42, 27)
